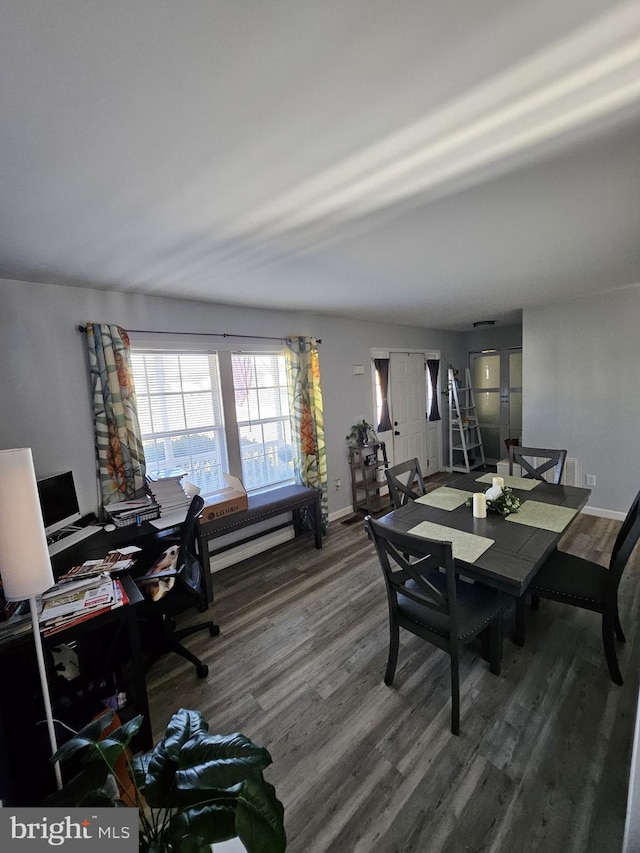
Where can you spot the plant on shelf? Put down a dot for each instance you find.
(361, 434)
(192, 789)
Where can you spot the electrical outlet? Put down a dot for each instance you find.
(337, 484)
(591, 479)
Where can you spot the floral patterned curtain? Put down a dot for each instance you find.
(119, 449)
(305, 402)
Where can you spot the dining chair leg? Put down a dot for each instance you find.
(394, 642)
(455, 692)
(495, 646)
(618, 628)
(518, 632)
(609, 642)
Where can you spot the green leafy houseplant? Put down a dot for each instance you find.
(361, 434)
(192, 789)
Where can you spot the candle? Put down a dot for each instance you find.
(479, 505)
(498, 481)
(493, 493)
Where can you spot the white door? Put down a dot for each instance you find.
(408, 393)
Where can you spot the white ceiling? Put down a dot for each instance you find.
(428, 162)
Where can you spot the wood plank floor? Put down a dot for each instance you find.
(543, 757)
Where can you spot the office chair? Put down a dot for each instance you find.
(405, 482)
(172, 586)
(435, 605)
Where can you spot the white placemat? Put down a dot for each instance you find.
(545, 516)
(523, 483)
(444, 498)
(466, 546)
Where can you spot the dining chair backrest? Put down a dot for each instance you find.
(626, 541)
(406, 561)
(545, 460)
(405, 482)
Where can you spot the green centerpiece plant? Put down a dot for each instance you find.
(192, 789)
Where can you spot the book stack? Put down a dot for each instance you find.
(70, 603)
(169, 494)
(135, 511)
(116, 561)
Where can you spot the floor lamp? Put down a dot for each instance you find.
(25, 565)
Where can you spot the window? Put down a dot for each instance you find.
(262, 415)
(180, 412)
(195, 420)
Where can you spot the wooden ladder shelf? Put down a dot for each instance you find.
(465, 439)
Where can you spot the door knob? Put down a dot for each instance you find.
(396, 432)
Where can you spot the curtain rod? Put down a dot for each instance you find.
(203, 334)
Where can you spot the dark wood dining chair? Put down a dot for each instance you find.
(523, 457)
(405, 482)
(590, 586)
(435, 605)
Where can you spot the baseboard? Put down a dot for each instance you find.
(341, 513)
(604, 513)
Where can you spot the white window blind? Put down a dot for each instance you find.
(181, 416)
(205, 413)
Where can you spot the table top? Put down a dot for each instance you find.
(518, 549)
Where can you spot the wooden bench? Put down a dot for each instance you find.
(294, 499)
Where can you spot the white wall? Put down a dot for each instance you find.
(581, 363)
(44, 383)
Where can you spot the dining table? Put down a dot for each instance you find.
(504, 552)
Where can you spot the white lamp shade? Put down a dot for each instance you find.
(25, 565)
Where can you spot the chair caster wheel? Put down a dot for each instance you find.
(214, 630)
(202, 671)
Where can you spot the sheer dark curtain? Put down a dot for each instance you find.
(382, 369)
(433, 366)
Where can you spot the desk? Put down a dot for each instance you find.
(93, 547)
(518, 550)
(25, 772)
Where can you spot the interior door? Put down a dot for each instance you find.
(497, 381)
(408, 394)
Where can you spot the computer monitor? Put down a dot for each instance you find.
(58, 501)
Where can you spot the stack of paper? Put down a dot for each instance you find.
(126, 513)
(169, 494)
(68, 603)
